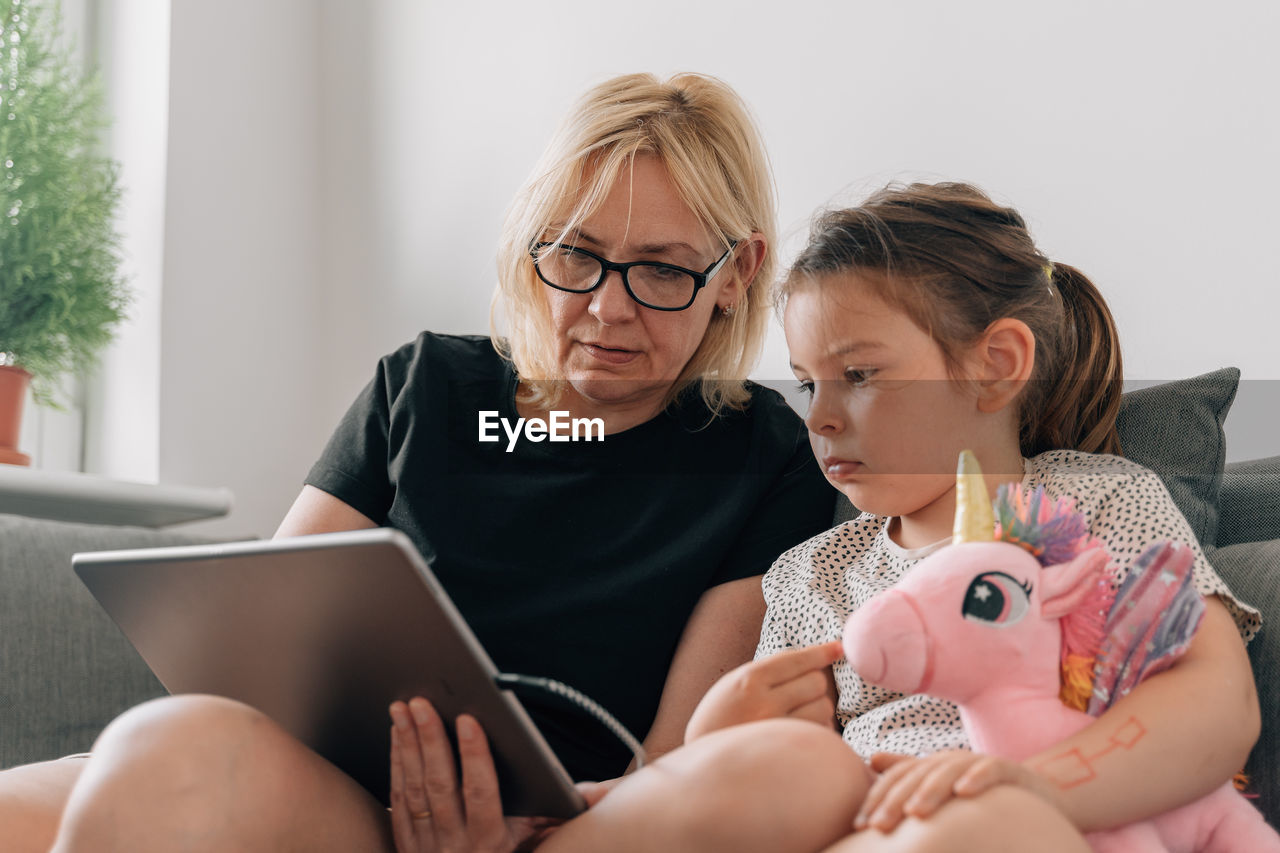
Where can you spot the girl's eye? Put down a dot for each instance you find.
(857, 375)
(805, 387)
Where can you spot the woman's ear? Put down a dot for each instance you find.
(748, 256)
(1006, 356)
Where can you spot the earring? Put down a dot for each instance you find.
(727, 310)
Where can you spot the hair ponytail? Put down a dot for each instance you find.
(1080, 398)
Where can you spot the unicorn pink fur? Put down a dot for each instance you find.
(979, 623)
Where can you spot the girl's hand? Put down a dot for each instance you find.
(918, 787)
(792, 683)
(428, 810)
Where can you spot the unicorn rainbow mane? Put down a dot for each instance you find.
(1054, 533)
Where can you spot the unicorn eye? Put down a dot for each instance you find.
(997, 599)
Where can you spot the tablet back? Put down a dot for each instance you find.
(321, 633)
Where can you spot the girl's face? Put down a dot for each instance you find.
(886, 419)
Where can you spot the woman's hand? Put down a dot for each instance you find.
(918, 787)
(429, 812)
(792, 683)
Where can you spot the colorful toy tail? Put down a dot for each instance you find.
(1156, 612)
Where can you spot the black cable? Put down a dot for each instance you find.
(584, 701)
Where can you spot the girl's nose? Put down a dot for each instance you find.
(610, 302)
(825, 416)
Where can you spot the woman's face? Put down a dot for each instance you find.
(620, 357)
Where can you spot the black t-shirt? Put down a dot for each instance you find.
(580, 561)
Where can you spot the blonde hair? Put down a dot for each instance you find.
(702, 133)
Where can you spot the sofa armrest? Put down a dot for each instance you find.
(1252, 570)
(65, 668)
(1249, 504)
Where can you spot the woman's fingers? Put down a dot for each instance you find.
(416, 799)
(438, 777)
(480, 794)
(410, 804)
(401, 824)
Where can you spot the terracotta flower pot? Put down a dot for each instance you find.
(13, 393)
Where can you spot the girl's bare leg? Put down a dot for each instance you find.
(774, 785)
(1003, 820)
(31, 801)
(205, 773)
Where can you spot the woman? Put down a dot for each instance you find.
(632, 280)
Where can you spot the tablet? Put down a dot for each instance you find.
(321, 633)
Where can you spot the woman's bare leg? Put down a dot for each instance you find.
(1003, 820)
(205, 773)
(31, 801)
(774, 785)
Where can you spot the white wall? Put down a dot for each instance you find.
(338, 171)
(242, 335)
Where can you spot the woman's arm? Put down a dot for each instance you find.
(721, 634)
(317, 511)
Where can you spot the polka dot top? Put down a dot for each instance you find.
(811, 589)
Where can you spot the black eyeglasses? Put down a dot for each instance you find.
(662, 287)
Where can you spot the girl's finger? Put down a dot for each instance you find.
(937, 786)
(890, 811)
(820, 711)
(983, 776)
(792, 663)
(480, 793)
(881, 787)
(882, 761)
(416, 804)
(438, 777)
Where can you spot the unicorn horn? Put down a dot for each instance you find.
(974, 521)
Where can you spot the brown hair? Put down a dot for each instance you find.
(956, 262)
(703, 134)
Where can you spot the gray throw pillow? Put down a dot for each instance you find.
(1175, 429)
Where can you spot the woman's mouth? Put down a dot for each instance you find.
(611, 355)
(841, 469)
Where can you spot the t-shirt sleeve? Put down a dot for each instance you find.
(354, 464)
(797, 505)
(1141, 512)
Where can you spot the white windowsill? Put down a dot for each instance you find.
(65, 496)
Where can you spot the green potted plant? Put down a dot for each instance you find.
(61, 290)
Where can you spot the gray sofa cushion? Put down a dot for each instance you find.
(67, 669)
(1175, 429)
(1252, 570)
(1249, 505)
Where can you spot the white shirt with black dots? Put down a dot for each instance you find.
(811, 589)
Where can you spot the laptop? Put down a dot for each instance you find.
(321, 633)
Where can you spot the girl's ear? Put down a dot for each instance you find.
(747, 259)
(1006, 355)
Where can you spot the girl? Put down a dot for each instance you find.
(923, 322)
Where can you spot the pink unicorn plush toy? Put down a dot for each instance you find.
(982, 623)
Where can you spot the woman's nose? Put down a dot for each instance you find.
(825, 416)
(610, 302)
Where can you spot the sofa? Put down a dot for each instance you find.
(65, 670)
